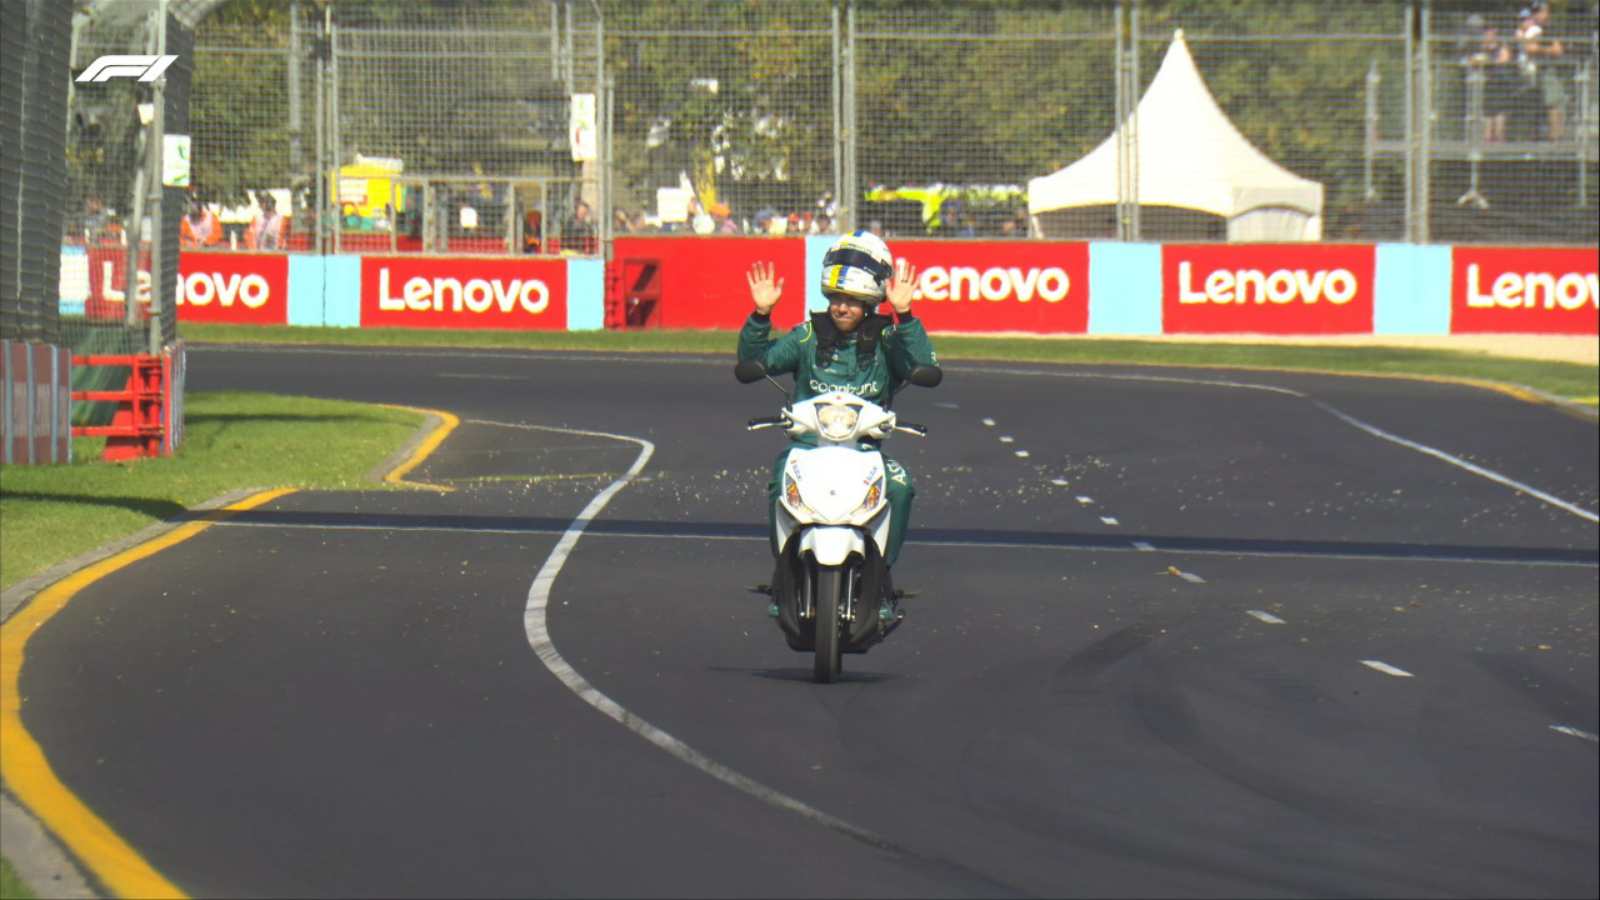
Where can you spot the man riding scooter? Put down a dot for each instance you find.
(848, 348)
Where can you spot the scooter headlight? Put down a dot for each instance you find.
(838, 420)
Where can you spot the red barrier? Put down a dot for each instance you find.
(702, 279)
(1514, 290)
(238, 288)
(984, 286)
(1267, 288)
(139, 425)
(453, 292)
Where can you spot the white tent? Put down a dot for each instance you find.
(1191, 157)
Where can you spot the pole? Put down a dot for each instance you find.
(159, 289)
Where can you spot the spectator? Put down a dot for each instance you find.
(1495, 59)
(532, 240)
(200, 228)
(1538, 54)
(577, 234)
(99, 224)
(266, 230)
(722, 216)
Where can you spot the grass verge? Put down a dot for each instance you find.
(232, 441)
(1567, 380)
(11, 887)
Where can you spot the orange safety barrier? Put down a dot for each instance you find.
(139, 425)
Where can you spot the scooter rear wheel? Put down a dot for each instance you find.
(829, 646)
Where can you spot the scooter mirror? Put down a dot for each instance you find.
(926, 376)
(749, 370)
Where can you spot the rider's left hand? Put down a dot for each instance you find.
(902, 285)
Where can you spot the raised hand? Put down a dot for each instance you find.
(902, 285)
(763, 290)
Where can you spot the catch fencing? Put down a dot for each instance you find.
(510, 127)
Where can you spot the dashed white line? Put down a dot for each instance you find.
(1264, 616)
(1110, 520)
(1144, 546)
(1577, 733)
(1023, 454)
(1381, 666)
(1060, 482)
(1086, 501)
(1191, 577)
(988, 423)
(1007, 439)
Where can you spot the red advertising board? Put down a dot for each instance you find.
(107, 282)
(985, 286)
(703, 279)
(1524, 290)
(463, 292)
(238, 288)
(1267, 288)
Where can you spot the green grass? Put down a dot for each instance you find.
(232, 441)
(11, 887)
(1568, 380)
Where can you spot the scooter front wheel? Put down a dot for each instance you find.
(829, 584)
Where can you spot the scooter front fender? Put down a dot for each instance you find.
(832, 545)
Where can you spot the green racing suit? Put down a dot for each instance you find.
(870, 362)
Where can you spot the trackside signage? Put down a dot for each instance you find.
(238, 288)
(1267, 288)
(462, 292)
(1524, 290)
(1033, 286)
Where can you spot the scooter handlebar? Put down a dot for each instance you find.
(912, 428)
(761, 422)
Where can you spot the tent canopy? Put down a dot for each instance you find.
(1190, 157)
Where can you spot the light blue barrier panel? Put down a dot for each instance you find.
(586, 294)
(325, 290)
(816, 248)
(1411, 289)
(1124, 288)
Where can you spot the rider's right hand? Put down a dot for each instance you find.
(763, 290)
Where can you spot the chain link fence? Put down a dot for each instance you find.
(118, 239)
(452, 126)
(725, 116)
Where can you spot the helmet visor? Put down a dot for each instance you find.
(846, 256)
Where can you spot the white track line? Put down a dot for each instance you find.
(1577, 733)
(1381, 666)
(535, 622)
(1265, 616)
(1496, 477)
(1110, 520)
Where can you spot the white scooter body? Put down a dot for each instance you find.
(835, 494)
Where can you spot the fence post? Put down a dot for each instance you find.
(1425, 109)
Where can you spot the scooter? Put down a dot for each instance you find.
(830, 590)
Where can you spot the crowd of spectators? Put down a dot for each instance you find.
(1526, 65)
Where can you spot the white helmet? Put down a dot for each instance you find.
(858, 265)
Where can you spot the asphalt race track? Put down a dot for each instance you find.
(1179, 633)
